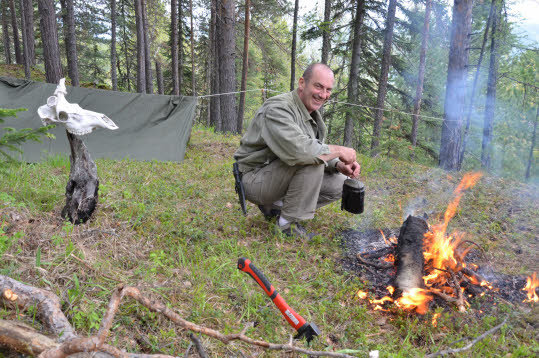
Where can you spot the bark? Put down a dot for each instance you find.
(354, 74)
(26, 58)
(82, 186)
(227, 69)
(293, 51)
(15, 27)
(326, 31)
(193, 80)
(532, 146)
(474, 86)
(113, 55)
(455, 97)
(180, 44)
(24, 339)
(159, 75)
(126, 47)
(174, 46)
(384, 72)
(421, 72)
(245, 67)
(147, 57)
(49, 38)
(28, 12)
(141, 67)
(70, 40)
(409, 255)
(215, 103)
(5, 33)
(490, 104)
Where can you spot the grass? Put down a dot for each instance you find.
(176, 230)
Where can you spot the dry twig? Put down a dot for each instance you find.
(470, 345)
(373, 264)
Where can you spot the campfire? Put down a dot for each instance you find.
(431, 264)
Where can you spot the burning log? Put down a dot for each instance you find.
(409, 256)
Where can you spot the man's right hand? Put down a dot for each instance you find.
(345, 154)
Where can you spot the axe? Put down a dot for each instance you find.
(304, 329)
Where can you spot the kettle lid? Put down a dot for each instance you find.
(354, 183)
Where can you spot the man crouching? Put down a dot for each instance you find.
(286, 167)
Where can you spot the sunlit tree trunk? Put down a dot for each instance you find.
(384, 72)
(159, 75)
(227, 68)
(245, 67)
(455, 96)
(180, 44)
(113, 55)
(193, 79)
(354, 74)
(49, 38)
(215, 106)
(326, 32)
(70, 41)
(26, 58)
(141, 67)
(15, 27)
(28, 12)
(293, 51)
(174, 46)
(126, 48)
(5, 33)
(490, 104)
(421, 71)
(147, 57)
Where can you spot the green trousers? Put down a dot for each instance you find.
(302, 188)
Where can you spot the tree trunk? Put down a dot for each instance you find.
(113, 56)
(384, 72)
(455, 96)
(532, 146)
(5, 33)
(326, 31)
(126, 48)
(26, 58)
(193, 80)
(245, 67)
(141, 67)
(215, 104)
(421, 72)
(474, 86)
(354, 74)
(180, 45)
(174, 46)
(293, 51)
(70, 40)
(227, 55)
(28, 11)
(15, 27)
(490, 104)
(159, 75)
(147, 57)
(49, 37)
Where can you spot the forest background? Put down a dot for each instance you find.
(407, 86)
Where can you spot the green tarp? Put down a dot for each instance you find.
(150, 126)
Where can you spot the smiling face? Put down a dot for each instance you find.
(315, 91)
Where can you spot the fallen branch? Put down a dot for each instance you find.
(470, 345)
(373, 264)
(24, 339)
(198, 345)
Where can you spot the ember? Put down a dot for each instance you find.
(443, 272)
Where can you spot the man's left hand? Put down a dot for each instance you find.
(350, 170)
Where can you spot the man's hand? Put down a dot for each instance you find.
(345, 154)
(350, 170)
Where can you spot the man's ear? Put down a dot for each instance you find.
(301, 83)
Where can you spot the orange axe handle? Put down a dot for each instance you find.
(289, 314)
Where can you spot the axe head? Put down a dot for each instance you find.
(309, 331)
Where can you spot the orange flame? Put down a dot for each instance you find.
(392, 239)
(531, 284)
(389, 258)
(416, 299)
(361, 294)
(435, 319)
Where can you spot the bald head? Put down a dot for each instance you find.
(308, 74)
(315, 86)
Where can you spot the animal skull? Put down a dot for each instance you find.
(77, 121)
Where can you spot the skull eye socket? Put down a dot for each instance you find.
(63, 116)
(52, 101)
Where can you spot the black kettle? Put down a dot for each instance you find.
(353, 196)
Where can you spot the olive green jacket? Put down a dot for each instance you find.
(283, 128)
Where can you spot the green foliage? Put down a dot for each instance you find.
(11, 138)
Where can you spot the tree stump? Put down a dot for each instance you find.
(83, 185)
(409, 258)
